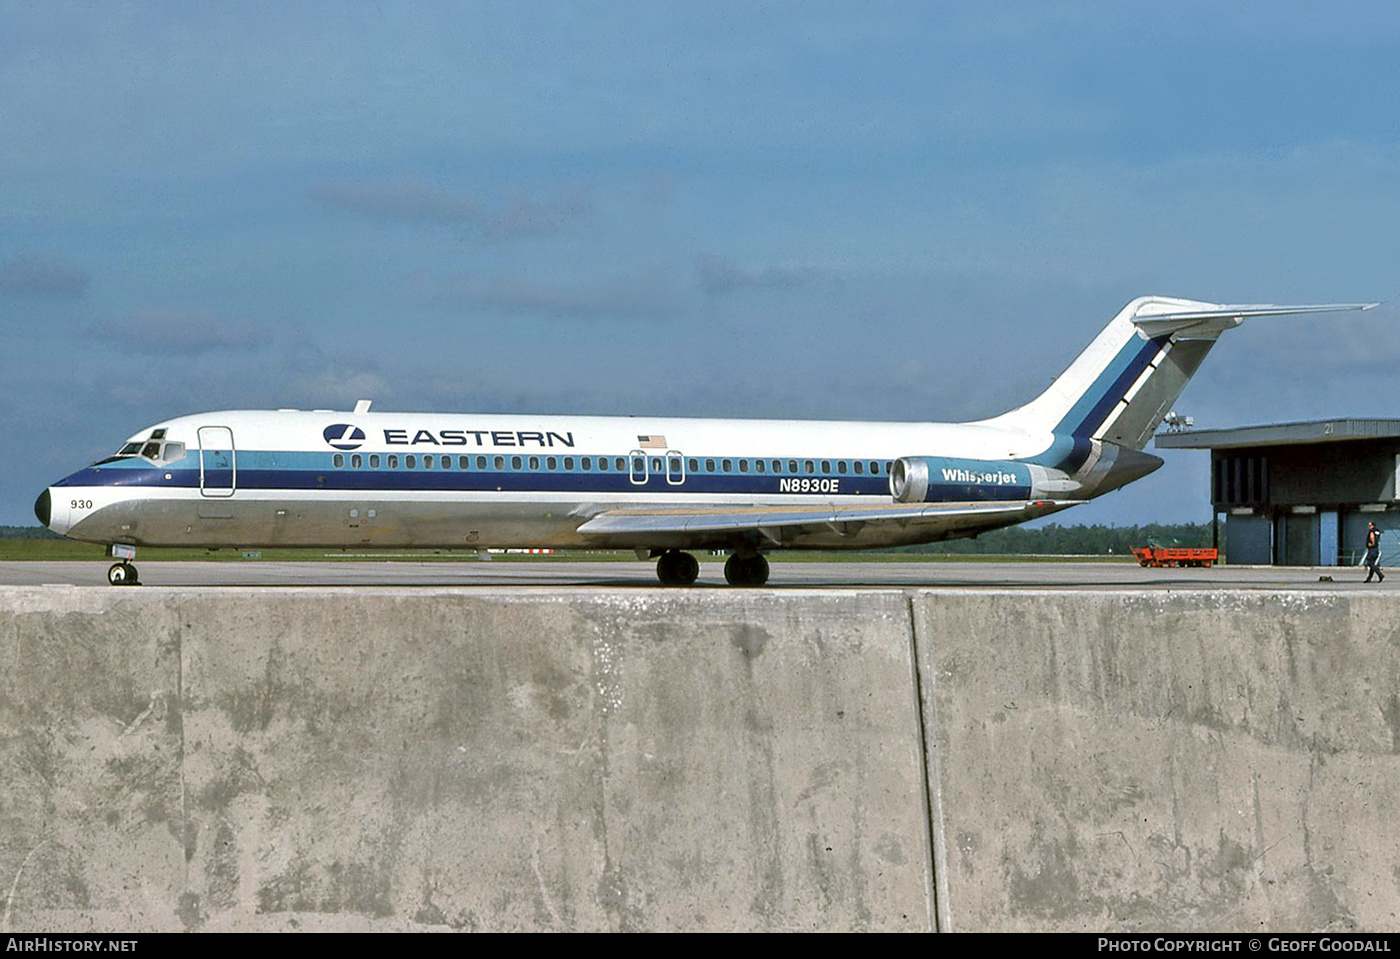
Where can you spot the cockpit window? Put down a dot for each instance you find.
(152, 449)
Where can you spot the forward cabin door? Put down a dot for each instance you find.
(218, 470)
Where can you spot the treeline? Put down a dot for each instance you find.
(1053, 539)
(27, 532)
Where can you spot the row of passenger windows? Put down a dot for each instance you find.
(603, 464)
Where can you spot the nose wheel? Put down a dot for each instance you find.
(122, 574)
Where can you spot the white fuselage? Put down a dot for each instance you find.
(270, 478)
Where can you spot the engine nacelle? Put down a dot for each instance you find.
(942, 479)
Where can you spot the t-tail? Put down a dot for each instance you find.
(1099, 414)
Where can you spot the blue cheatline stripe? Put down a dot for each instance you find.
(575, 483)
(1109, 388)
(1074, 433)
(325, 461)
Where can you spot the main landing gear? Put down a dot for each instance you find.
(746, 569)
(675, 568)
(122, 574)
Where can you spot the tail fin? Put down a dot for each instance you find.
(1124, 383)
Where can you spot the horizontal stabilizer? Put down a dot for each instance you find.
(1211, 322)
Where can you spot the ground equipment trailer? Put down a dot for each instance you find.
(1175, 556)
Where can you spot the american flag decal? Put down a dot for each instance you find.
(652, 442)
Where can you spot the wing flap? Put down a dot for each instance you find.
(777, 526)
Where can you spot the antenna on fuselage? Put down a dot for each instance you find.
(362, 406)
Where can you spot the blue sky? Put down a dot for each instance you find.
(861, 210)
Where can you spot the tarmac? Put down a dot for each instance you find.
(785, 575)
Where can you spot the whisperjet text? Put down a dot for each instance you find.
(989, 478)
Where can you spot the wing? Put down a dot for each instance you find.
(893, 524)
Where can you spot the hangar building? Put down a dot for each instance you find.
(1301, 494)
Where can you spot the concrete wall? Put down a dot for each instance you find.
(709, 759)
(1222, 761)
(390, 759)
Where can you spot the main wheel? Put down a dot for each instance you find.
(675, 568)
(122, 574)
(746, 569)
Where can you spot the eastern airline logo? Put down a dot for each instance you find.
(344, 436)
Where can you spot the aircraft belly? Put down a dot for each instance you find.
(239, 522)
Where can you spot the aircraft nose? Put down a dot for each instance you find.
(43, 508)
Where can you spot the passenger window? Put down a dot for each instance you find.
(758, 465)
(602, 463)
(500, 462)
(481, 462)
(859, 466)
(374, 461)
(826, 466)
(693, 466)
(792, 466)
(709, 466)
(587, 462)
(727, 466)
(393, 461)
(841, 466)
(339, 460)
(874, 468)
(568, 462)
(621, 464)
(743, 466)
(464, 462)
(656, 464)
(427, 462)
(356, 461)
(515, 462)
(807, 467)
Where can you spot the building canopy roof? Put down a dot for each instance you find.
(1280, 434)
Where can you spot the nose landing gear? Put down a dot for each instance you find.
(122, 574)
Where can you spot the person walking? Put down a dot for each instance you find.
(1373, 553)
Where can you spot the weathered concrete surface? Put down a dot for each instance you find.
(1201, 761)
(334, 759)
(441, 758)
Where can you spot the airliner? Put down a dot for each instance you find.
(660, 486)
